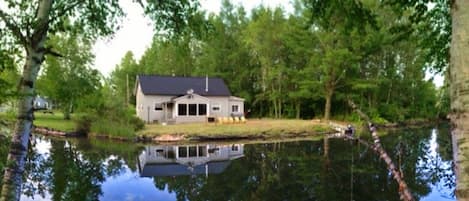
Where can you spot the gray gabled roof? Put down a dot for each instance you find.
(168, 85)
(176, 169)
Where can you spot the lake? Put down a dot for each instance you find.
(331, 169)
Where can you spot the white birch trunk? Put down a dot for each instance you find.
(12, 180)
(459, 75)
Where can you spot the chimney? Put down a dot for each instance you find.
(206, 83)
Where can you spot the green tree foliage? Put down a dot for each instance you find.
(26, 26)
(307, 63)
(223, 53)
(8, 83)
(431, 19)
(77, 80)
(169, 57)
(123, 77)
(265, 40)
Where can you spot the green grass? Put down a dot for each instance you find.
(55, 121)
(256, 128)
(263, 128)
(112, 129)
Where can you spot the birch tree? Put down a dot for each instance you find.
(459, 86)
(27, 24)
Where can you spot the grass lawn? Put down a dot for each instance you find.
(55, 121)
(253, 127)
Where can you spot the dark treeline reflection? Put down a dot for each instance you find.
(307, 170)
(327, 169)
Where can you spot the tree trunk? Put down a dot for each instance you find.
(13, 176)
(327, 108)
(298, 109)
(404, 191)
(67, 114)
(12, 179)
(279, 108)
(68, 110)
(273, 112)
(459, 75)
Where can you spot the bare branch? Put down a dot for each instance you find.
(12, 26)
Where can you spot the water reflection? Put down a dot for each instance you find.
(328, 169)
(177, 160)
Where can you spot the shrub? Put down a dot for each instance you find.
(83, 124)
(137, 123)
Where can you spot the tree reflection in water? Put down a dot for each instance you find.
(322, 171)
(301, 170)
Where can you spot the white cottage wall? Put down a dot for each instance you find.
(145, 106)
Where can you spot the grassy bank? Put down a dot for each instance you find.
(265, 128)
(112, 129)
(55, 121)
(258, 128)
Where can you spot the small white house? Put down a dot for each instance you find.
(41, 103)
(184, 99)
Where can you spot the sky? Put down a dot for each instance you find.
(137, 31)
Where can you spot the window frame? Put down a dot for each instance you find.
(216, 108)
(189, 109)
(185, 109)
(160, 108)
(202, 111)
(237, 108)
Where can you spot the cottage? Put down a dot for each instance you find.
(167, 99)
(41, 103)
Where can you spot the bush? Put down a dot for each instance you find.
(137, 123)
(83, 124)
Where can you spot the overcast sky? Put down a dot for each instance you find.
(137, 32)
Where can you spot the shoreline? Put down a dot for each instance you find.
(318, 129)
(172, 138)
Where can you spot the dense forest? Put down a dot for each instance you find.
(303, 63)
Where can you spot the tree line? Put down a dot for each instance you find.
(306, 63)
(300, 64)
(376, 53)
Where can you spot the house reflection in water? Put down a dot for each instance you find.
(176, 160)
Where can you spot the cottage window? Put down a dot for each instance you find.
(182, 109)
(192, 151)
(192, 109)
(234, 108)
(203, 151)
(216, 108)
(202, 109)
(182, 152)
(234, 148)
(158, 106)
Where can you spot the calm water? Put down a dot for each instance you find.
(327, 169)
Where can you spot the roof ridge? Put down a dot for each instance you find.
(170, 76)
(160, 84)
